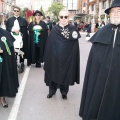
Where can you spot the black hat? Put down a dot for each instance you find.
(115, 3)
(37, 11)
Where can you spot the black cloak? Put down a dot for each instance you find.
(9, 76)
(62, 56)
(23, 29)
(32, 44)
(101, 96)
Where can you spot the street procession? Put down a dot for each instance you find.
(59, 59)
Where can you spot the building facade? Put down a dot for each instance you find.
(6, 6)
(95, 10)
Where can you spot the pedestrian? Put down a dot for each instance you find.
(100, 96)
(49, 23)
(88, 29)
(62, 56)
(18, 25)
(3, 20)
(37, 40)
(8, 68)
(102, 24)
(96, 26)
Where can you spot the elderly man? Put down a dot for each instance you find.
(16, 25)
(62, 56)
(101, 96)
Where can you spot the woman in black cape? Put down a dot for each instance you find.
(8, 68)
(37, 39)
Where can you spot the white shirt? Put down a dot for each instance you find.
(16, 25)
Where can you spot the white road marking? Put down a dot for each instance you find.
(16, 105)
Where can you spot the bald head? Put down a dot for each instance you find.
(64, 12)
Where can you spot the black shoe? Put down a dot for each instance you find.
(50, 95)
(38, 65)
(64, 97)
(4, 103)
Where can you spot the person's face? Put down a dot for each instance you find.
(47, 19)
(115, 15)
(37, 16)
(64, 18)
(16, 12)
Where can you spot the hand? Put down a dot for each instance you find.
(16, 31)
(1, 51)
(38, 33)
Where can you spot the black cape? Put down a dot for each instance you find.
(41, 44)
(101, 96)
(9, 76)
(23, 29)
(62, 57)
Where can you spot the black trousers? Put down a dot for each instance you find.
(21, 59)
(37, 55)
(63, 88)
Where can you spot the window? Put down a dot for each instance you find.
(83, 11)
(103, 4)
(92, 7)
(84, 4)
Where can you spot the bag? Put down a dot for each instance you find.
(18, 43)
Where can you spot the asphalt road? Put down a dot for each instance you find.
(31, 102)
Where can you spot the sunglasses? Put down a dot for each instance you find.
(16, 10)
(61, 17)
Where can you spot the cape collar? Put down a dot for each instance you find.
(105, 35)
(62, 25)
(16, 16)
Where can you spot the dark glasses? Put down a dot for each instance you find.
(16, 10)
(61, 17)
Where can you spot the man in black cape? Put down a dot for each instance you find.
(62, 56)
(101, 96)
(18, 24)
(8, 67)
(36, 49)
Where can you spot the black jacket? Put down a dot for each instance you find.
(100, 96)
(62, 56)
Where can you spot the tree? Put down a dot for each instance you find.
(41, 9)
(23, 11)
(55, 8)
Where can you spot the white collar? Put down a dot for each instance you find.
(16, 16)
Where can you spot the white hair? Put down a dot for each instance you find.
(115, 20)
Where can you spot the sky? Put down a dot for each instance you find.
(24, 2)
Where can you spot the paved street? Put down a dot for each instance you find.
(31, 103)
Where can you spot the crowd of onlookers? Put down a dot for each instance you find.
(87, 26)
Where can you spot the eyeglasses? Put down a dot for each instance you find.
(16, 10)
(61, 17)
(113, 11)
